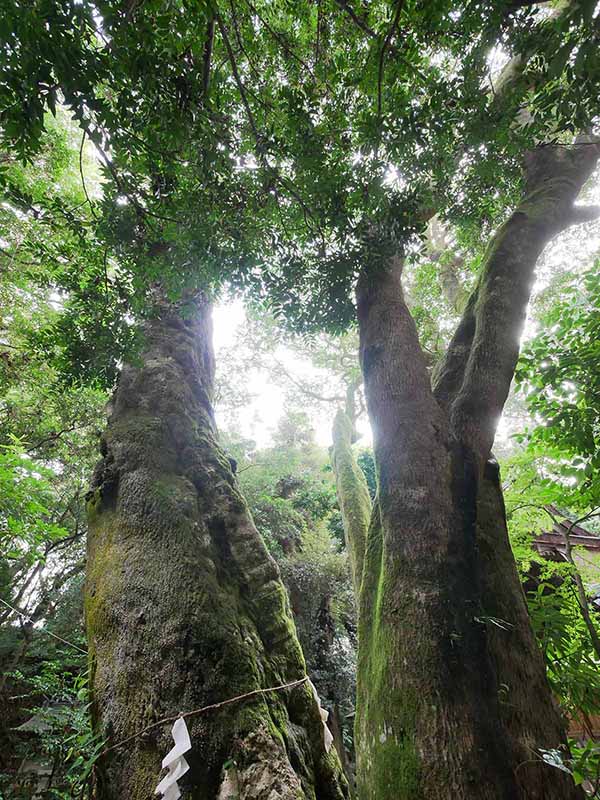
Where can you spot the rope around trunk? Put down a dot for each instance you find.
(204, 709)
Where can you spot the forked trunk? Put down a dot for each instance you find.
(427, 717)
(184, 606)
(452, 698)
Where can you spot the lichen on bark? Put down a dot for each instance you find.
(184, 606)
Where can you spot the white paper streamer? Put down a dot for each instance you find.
(324, 717)
(175, 762)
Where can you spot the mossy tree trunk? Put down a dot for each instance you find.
(352, 492)
(184, 606)
(450, 706)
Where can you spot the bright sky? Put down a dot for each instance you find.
(259, 419)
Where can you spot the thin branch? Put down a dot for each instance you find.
(581, 593)
(518, 507)
(315, 395)
(318, 38)
(60, 543)
(280, 39)
(85, 191)
(207, 57)
(384, 47)
(24, 586)
(43, 630)
(17, 260)
(257, 137)
(53, 437)
(343, 4)
(124, 189)
(237, 78)
(240, 43)
(249, 466)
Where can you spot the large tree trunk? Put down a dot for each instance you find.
(435, 679)
(184, 606)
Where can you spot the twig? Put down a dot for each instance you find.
(249, 466)
(196, 711)
(43, 630)
(355, 18)
(384, 47)
(18, 261)
(85, 191)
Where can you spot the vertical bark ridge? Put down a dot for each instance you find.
(184, 606)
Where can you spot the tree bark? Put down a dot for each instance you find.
(424, 688)
(184, 606)
(434, 716)
(528, 712)
(352, 493)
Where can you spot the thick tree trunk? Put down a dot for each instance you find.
(184, 606)
(435, 718)
(425, 690)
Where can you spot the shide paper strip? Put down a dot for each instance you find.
(175, 762)
(327, 736)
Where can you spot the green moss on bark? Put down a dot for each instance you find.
(184, 606)
(353, 495)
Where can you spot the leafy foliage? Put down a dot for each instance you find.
(559, 375)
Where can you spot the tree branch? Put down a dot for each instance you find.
(85, 191)
(345, 5)
(410, 425)
(384, 47)
(582, 214)
(53, 437)
(207, 57)
(353, 495)
(251, 121)
(475, 376)
(305, 390)
(280, 39)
